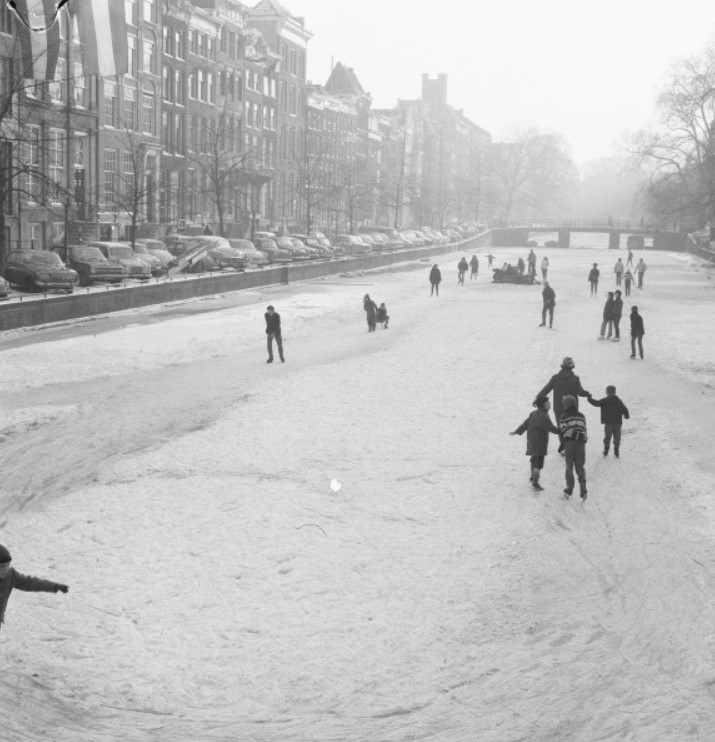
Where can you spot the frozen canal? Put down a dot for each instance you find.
(220, 590)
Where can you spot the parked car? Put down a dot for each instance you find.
(39, 270)
(297, 251)
(274, 253)
(352, 244)
(408, 239)
(158, 249)
(376, 244)
(248, 250)
(145, 256)
(4, 288)
(320, 251)
(91, 265)
(313, 252)
(337, 250)
(122, 252)
(222, 253)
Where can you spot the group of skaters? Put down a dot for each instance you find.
(622, 272)
(570, 427)
(375, 314)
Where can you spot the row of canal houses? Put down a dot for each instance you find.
(212, 121)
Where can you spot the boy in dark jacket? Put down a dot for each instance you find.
(617, 313)
(462, 269)
(273, 332)
(612, 413)
(549, 297)
(11, 580)
(574, 436)
(607, 317)
(593, 275)
(537, 427)
(637, 332)
(435, 278)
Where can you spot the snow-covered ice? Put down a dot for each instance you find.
(346, 546)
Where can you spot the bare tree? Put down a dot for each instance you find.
(315, 180)
(532, 170)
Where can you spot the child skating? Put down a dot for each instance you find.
(612, 413)
(537, 427)
(574, 437)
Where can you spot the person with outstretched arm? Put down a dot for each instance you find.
(537, 428)
(11, 579)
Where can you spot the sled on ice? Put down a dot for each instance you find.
(510, 274)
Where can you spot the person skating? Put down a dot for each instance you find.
(273, 332)
(549, 299)
(531, 260)
(637, 332)
(630, 257)
(435, 278)
(641, 268)
(474, 263)
(574, 436)
(593, 275)
(616, 314)
(612, 413)
(544, 267)
(11, 579)
(618, 270)
(607, 317)
(371, 312)
(627, 281)
(462, 268)
(490, 258)
(537, 428)
(382, 316)
(520, 265)
(562, 384)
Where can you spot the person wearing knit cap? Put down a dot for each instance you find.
(574, 436)
(11, 579)
(537, 428)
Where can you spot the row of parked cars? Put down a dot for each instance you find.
(114, 262)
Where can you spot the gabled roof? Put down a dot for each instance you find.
(343, 80)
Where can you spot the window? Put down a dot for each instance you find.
(194, 133)
(211, 88)
(130, 12)
(128, 172)
(180, 45)
(166, 83)
(203, 85)
(110, 103)
(239, 87)
(301, 65)
(80, 86)
(150, 10)
(231, 44)
(130, 106)
(258, 82)
(148, 105)
(167, 130)
(132, 52)
(179, 87)
(292, 66)
(258, 115)
(249, 114)
(32, 156)
(57, 87)
(291, 100)
(211, 48)
(168, 41)
(149, 54)
(224, 40)
(110, 174)
(203, 45)
(250, 79)
(194, 42)
(284, 142)
(179, 133)
(284, 96)
(56, 156)
(193, 85)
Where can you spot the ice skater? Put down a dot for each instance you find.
(549, 299)
(607, 317)
(462, 268)
(371, 312)
(641, 268)
(531, 261)
(11, 580)
(637, 332)
(382, 316)
(618, 270)
(616, 314)
(544, 267)
(630, 257)
(627, 281)
(435, 278)
(612, 413)
(562, 384)
(490, 259)
(593, 275)
(537, 427)
(574, 436)
(520, 265)
(474, 263)
(273, 332)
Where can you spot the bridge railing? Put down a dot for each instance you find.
(610, 224)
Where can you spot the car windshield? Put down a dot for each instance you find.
(284, 242)
(39, 257)
(271, 244)
(120, 252)
(87, 253)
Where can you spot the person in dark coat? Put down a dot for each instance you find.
(574, 436)
(612, 413)
(637, 332)
(474, 263)
(11, 580)
(531, 260)
(593, 275)
(371, 311)
(627, 281)
(607, 317)
(520, 265)
(208, 230)
(273, 332)
(537, 427)
(382, 316)
(435, 278)
(616, 314)
(462, 268)
(549, 297)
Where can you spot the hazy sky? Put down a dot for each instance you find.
(588, 70)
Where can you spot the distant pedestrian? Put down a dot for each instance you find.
(612, 413)
(531, 260)
(630, 257)
(574, 436)
(371, 312)
(490, 258)
(273, 332)
(549, 299)
(616, 314)
(544, 267)
(462, 268)
(382, 316)
(520, 265)
(11, 580)
(563, 383)
(618, 270)
(435, 278)
(627, 281)
(607, 317)
(593, 275)
(637, 332)
(641, 268)
(537, 428)
(208, 230)
(474, 263)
